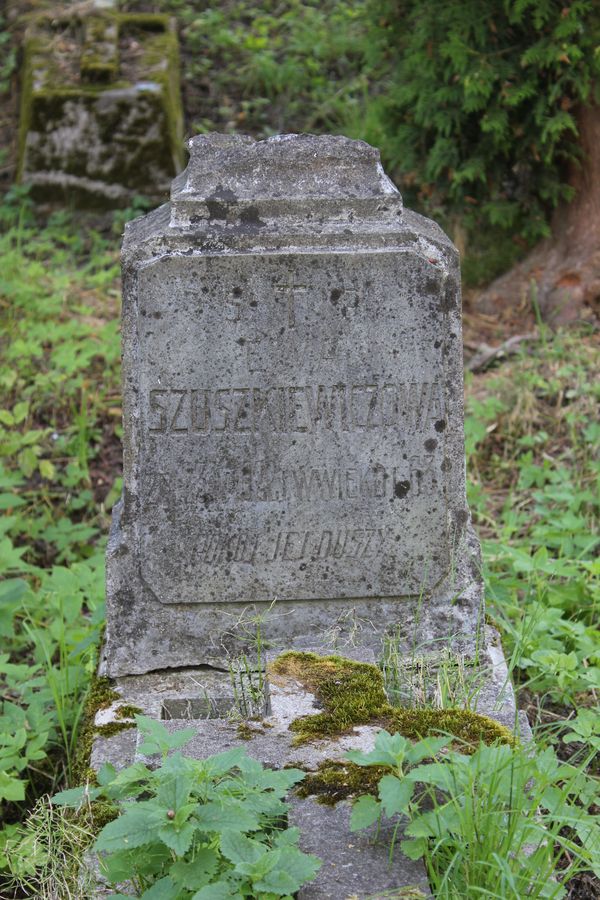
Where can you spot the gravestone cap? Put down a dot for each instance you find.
(233, 178)
(287, 165)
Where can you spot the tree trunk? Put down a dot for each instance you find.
(563, 271)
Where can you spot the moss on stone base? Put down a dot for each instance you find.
(128, 712)
(101, 695)
(352, 693)
(337, 780)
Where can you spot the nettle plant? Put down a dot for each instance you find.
(211, 829)
(500, 822)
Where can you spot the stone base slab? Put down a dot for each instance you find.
(353, 866)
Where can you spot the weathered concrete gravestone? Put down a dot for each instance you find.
(293, 412)
(101, 116)
(293, 432)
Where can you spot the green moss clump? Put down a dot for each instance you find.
(103, 812)
(465, 725)
(244, 732)
(112, 728)
(101, 695)
(352, 693)
(128, 712)
(337, 780)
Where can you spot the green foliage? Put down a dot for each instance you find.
(57, 376)
(264, 68)
(496, 822)
(198, 829)
(41, 857)
(534, 442)
(8, 63)
(478, 115)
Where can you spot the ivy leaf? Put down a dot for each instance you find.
(365, 811)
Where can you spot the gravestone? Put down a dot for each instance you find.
(101, 117)
(293, 414)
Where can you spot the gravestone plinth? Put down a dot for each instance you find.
(101, 117)
(293, 414)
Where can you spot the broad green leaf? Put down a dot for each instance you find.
(164, 889)
(174, 790)
(11, 788)
(221, 763)
(288, 837)
(195, 874)
(148, 861)
(106, 774)
(395, 794)
(75, 796)
(300, 866)
(213, 816)
(414, 849)
(136, 827)
(390, 750)
(219, 891)
(178, 839)
(47, 469)
(240, 849)
(277, 882)
(10, 501)
(365, 811)
(428, 748)
(158, 738)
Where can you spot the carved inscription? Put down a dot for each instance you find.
(287, 546)
(254, 483)
(297, 430)
(300, 408)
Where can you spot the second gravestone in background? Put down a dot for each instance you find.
(293, 418)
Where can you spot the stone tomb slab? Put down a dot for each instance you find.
(293, 414)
